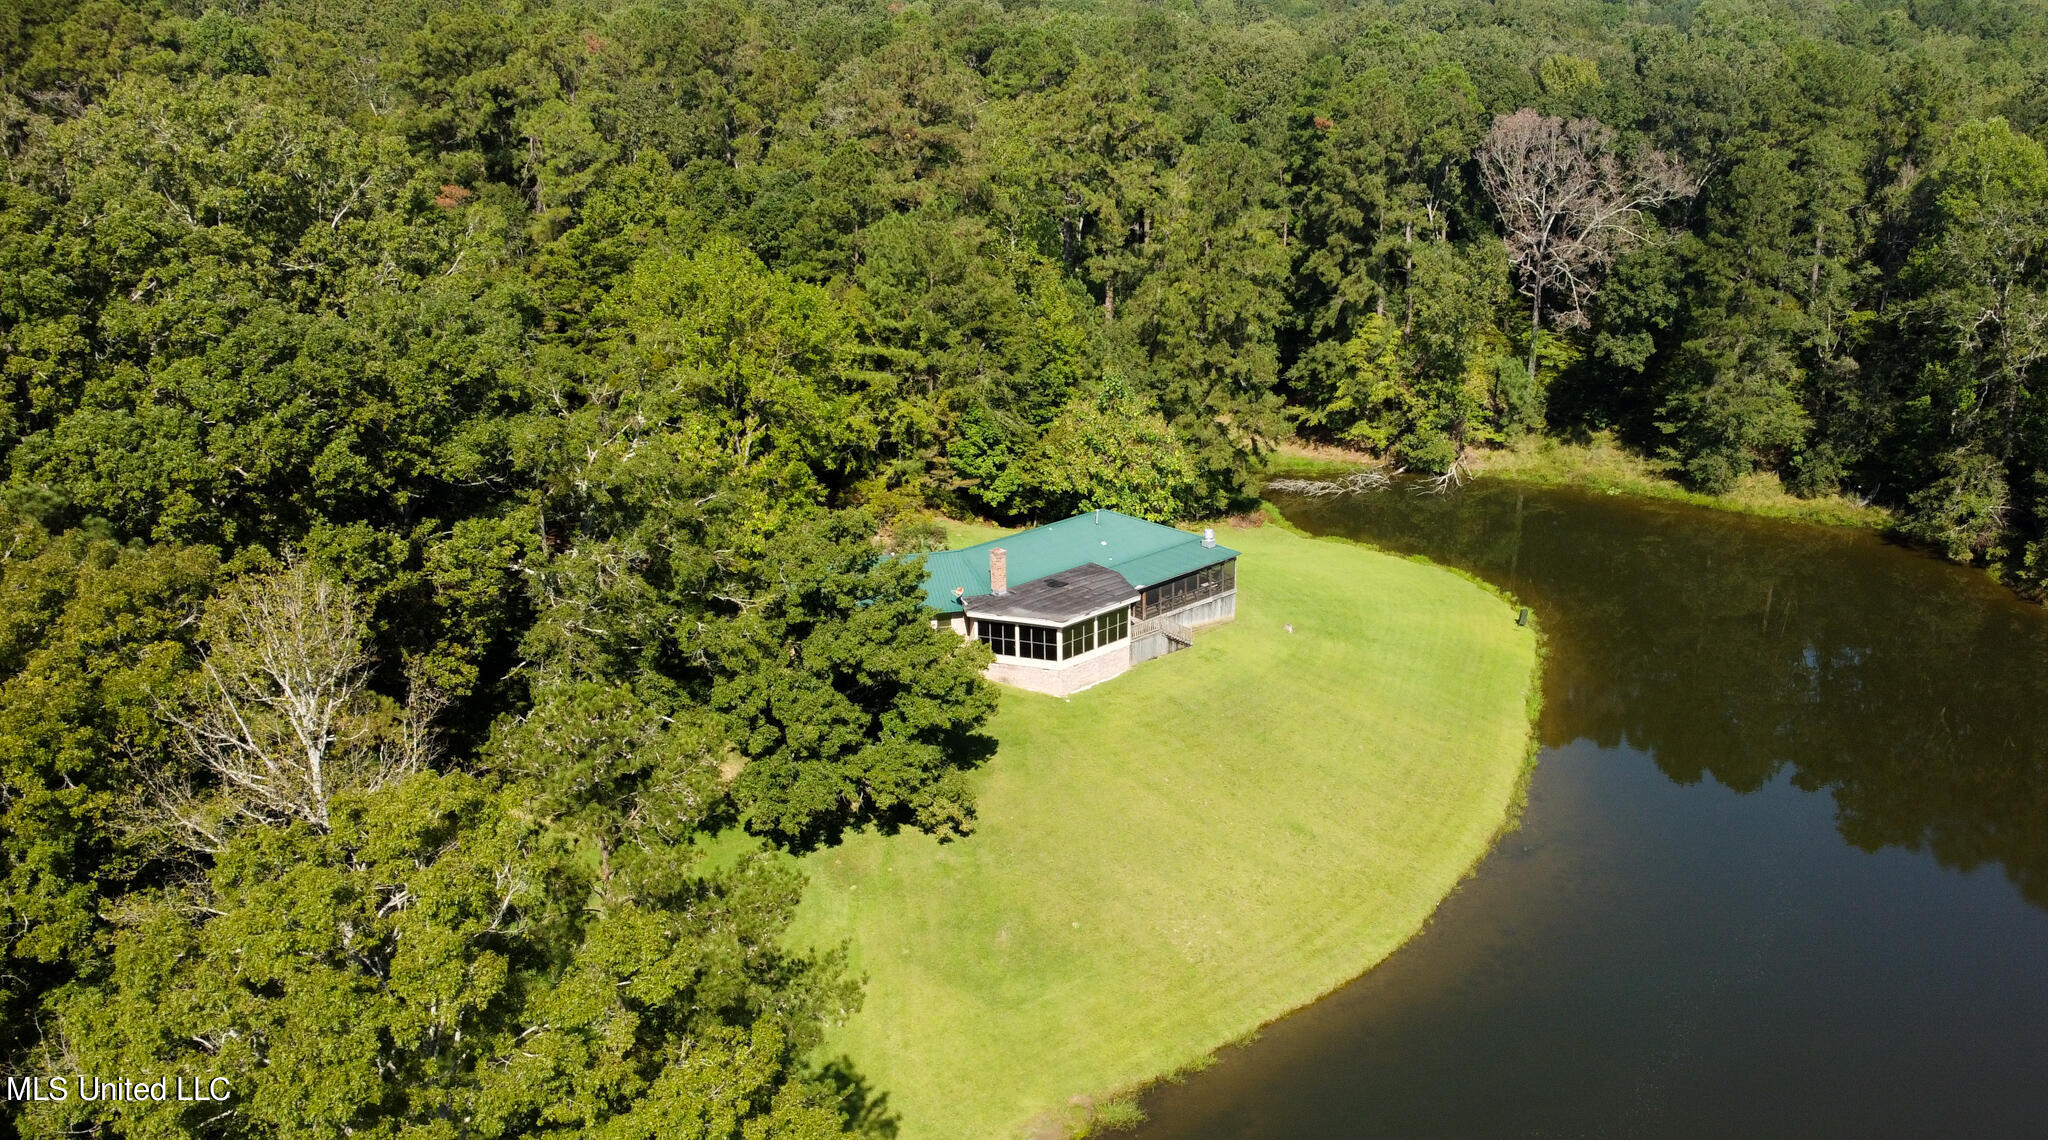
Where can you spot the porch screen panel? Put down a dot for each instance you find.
(1188, 589)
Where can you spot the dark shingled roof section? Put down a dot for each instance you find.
(1145, 553)
(1057, 598)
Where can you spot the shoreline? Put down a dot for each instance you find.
(1036, 975)
(1601, 465)
(1511, 822)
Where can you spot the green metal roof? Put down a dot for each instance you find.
(1145, 553)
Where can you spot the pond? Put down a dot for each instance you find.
(1782, 872)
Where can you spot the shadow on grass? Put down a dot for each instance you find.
(864, 1110)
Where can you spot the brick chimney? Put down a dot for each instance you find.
(998, 571)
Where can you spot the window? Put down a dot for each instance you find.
(1000, 636)
(1077, 639)
(1113, 626)
(1012, 640)
(1095, 632)
(1036, 642)
(1188, 589)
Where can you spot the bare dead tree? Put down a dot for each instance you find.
(1570, 201)
(284, 720)
(1452, 479)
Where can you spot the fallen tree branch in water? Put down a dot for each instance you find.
(1356, 483)
(1449, 481)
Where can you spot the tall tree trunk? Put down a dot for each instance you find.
(1535, 331)
(1407, 278)
(1820, 229)
(1379, 281)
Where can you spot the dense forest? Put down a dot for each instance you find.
(450, 449)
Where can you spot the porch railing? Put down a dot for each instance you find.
(1177, 632)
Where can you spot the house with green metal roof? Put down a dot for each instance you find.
(1076, 602)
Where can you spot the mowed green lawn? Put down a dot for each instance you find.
(1169, 860)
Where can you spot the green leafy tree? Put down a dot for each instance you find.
(1966, 511)
(711, 80)
(910, 109)
(93, 636)
(1569, 200)
(1104, 149)
(242, 338)
(1208, 317)
(1768, 374)
(566, 153)
(1374, 169)
(427, 956)
(1979, 315)
(1426, 388)
(1110, 450)
(1739, 408)
(993, 418)
(847, 704)
(768, 368)
(608, 768)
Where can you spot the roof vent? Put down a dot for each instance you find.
(1055, 583)
(1208, 536)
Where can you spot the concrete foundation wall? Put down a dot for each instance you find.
(1063, 678)
(1151, 645)
(1207, 612)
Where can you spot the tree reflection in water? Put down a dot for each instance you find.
(1908, 689)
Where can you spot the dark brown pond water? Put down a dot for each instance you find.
(1783, 870)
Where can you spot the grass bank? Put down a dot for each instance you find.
(1604, 465)
(1170, 860)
